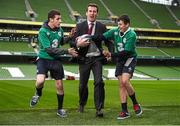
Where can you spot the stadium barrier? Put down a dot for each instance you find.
(29, 29)
(33, 32)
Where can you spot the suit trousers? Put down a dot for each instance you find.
(91, 63)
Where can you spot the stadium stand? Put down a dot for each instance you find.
(149, 13)
(112, 16)
(103, 15)
(13, 9)
(29, 11)
(74, 14)
(153, 21)
(42, 7)
(153, 44)
(160, 13)
(127, 7)
(82, 10)
(173, 15)
(175, 11)
(176, 15)
(29, 29)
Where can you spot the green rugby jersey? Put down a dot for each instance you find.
(126, 42)
(49, 38)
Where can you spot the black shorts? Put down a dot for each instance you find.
(54, 66)
(125, 66)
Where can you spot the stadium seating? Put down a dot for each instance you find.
(29, 11)
(42, 7)
(176, 11)
(158, 12)
(82, 10)
(13, 9)
(150, 41)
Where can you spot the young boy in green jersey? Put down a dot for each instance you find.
(50, 40)
(124, 39)
(125, 51)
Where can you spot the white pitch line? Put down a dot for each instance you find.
(163, 52)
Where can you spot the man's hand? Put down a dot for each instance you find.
(107, 54)
(73, 31)
(82, 42)
(73, 52)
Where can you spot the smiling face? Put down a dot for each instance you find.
(124, 23)
(91, 13)
(122, 26)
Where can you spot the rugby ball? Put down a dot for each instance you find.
(85, 37)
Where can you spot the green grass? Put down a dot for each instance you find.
(171, 51)
(162, 72)
(160, 101)
(149, 52)
(16, 47)
(29, 70)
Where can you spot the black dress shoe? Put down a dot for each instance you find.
(99, 113)
(81, 109)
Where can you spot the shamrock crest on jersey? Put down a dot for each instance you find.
(54, 43)
(124, 40)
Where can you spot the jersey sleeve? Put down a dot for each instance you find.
(109, 34)
(62, 42)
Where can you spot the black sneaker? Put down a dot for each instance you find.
(61, 113)
(137, 109)
(123, 115)
(34, 100)
(99, 113)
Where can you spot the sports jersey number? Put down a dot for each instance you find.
(120, 47)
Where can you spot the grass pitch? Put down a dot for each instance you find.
(159, 99)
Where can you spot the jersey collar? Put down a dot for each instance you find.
(121, 34)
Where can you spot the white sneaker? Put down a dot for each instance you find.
(34, 100)
(61, 113)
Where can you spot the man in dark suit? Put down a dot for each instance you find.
(91, 58)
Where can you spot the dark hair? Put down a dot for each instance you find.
(52, 13)
(92, 5)
(125, 19)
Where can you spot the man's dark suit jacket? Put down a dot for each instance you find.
(82, 28)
